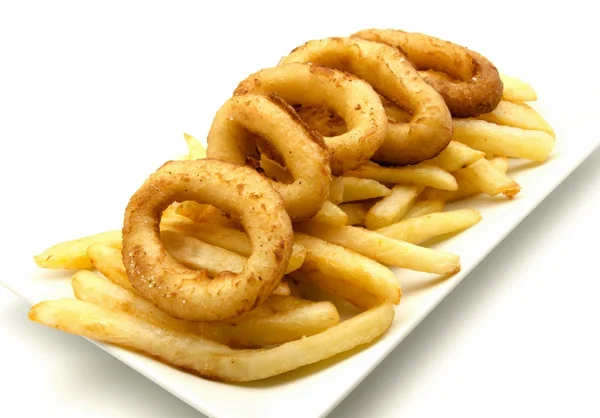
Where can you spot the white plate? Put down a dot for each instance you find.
(314, 390)
(333, 380)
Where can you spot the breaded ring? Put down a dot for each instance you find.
(282, 132)
(350, 97)
(190, 294)
(469, 83)
(391, 75)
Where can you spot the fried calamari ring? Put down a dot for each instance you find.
(190, 294)
(391, 75)
(473, 87)
(350, 97)
(283, 133)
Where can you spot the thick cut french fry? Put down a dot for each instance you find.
(337, 261)
(196, 150)
(420, 229)
(485, 177)
(384, 249)
(278, 320)
(336, 190)
(338, 286)
(362, 189)
(275, 171)
(516, 90)
(455, 156)
(226, 238)
(72, 255)
(330, 214)
(207, 358)
(503, 140)
(421, 174)
(200, 212)
(424, 207)
(356, 212)
(109, 262)
(518, 115)
(393, 207)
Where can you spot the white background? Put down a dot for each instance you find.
(94, 97)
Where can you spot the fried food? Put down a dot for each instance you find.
(189, 294)
(232, 138)
(392, 207)
(361, 189)
(391, 75)
(518, 115)
(470, 83)
(517, 90)
(350, 97)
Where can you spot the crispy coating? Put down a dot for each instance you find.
(282, 133)
(469, 82)
(384, 67)
(189, 294)
(350, 97)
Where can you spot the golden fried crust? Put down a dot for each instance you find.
(350, 97)
(189, 294)
(428, 131)
(469, 82)
(282, 134)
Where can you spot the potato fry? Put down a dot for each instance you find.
(337, 261)
(503, 140)
(420, 174)
(109, 262)
(72, 255)
(393, 207)
(330, 214)
(356, 212)
(484, 176)
(455, 156)
(207, 358)
(227, 238)
(362, 189)
(420, 229)
(283, 289)
(338, 286)
(274, 171)
(278, 320)
(205, 213)
(516, 90)
(518, 115)
(424, 207)
(336, 190)
(196, 150)
(384, 249)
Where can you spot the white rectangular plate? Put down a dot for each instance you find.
(317, 389)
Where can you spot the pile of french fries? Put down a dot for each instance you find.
(339, 290)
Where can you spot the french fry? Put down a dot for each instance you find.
(503, 140)
(195, 149)
(455, 156)
(393, 207)
(282, 289)
(277, 320)
(424, 207)
(227, 238)
(72, 255)
(356, 212)
(336, 190)
(207, 358)
(420, 174)
(275, 171)
(330, 214)
(384, 249)
(109, 262)
(337, 261)
(338, 286)
(518, 115)
(197, 254)
(420, 229)
(200, 212)
(484, 176)
(362, 189)
(516, 90)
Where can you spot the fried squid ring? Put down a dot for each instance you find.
(350, 97)
(469, 83)
(190, 294)
(391, 75)
(283, 134)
